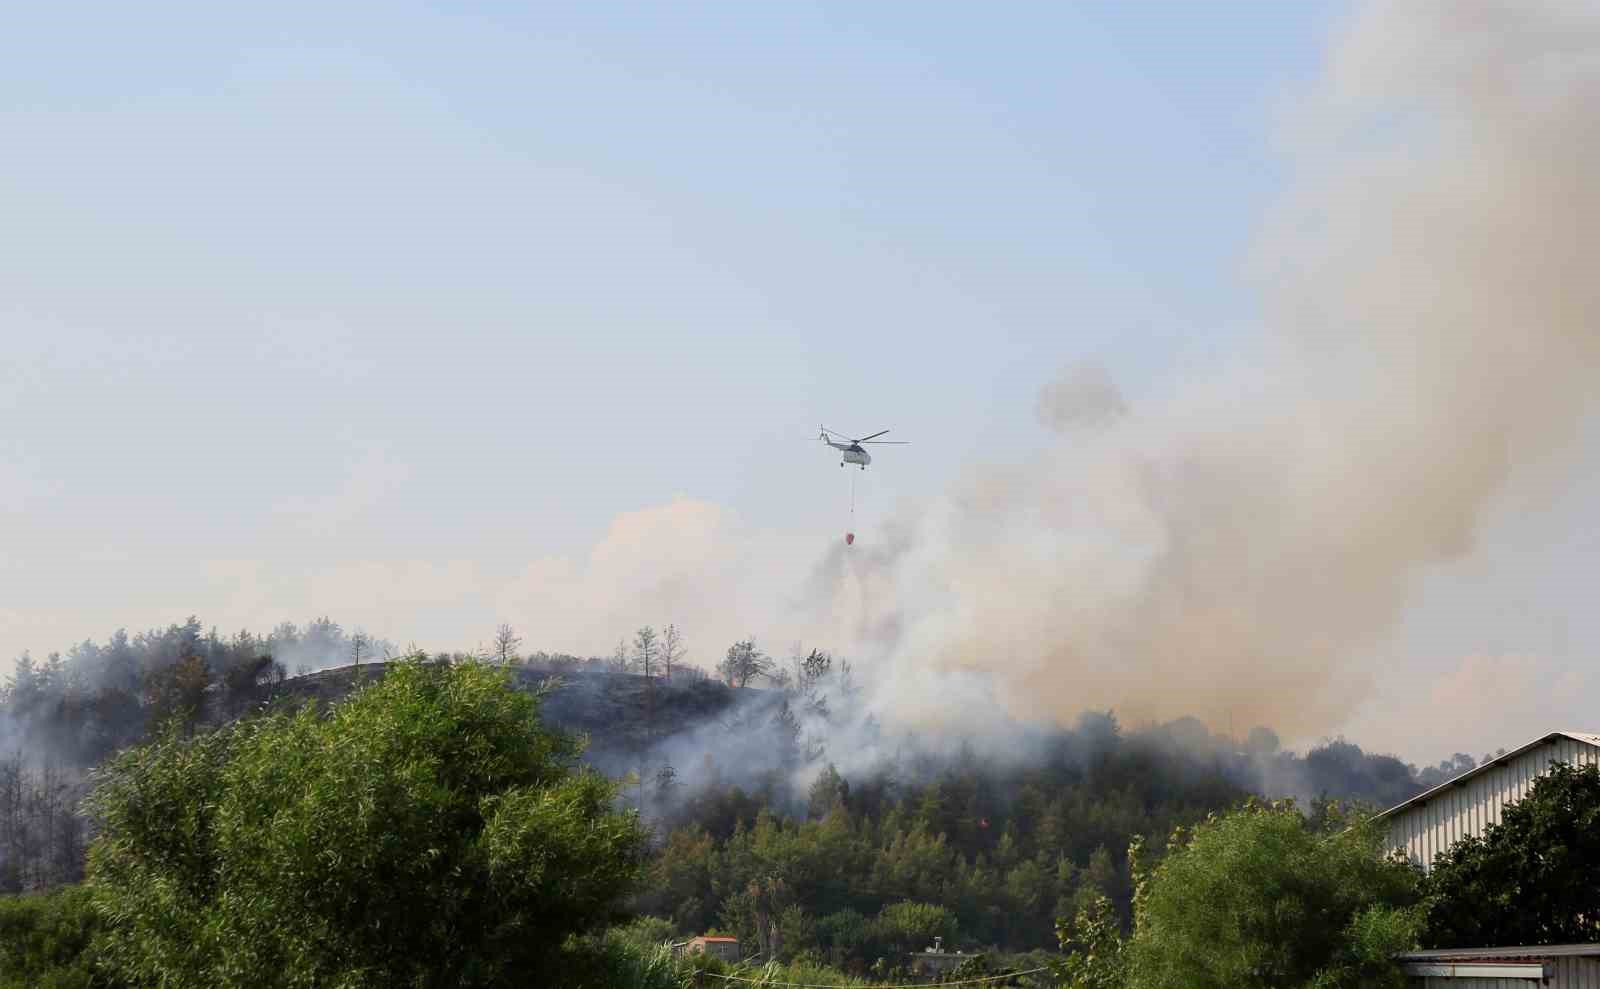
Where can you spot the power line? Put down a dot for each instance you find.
(900, 985)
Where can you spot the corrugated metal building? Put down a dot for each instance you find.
(1431, 822)
(1552, 966)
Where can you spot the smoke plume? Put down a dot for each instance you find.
(1083, 395)
(1231, 550)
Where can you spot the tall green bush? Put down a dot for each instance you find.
(1534, 878)
(1257, 898)
(430, 831)
(45, 940)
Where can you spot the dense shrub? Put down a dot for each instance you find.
(1534, 878)
(1257, 898)
(45, 940)
(428, 832)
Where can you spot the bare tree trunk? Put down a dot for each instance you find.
(50, 799)
(358, 642)
(506, 641)
(33, 813)
(671, 648)
(11, 824)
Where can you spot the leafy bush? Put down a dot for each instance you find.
(611, 962)
(904, 927)
(644, 933)
(45, 940)
(1093, 942)
(429, 831)
(1534, 878)
(1256, 898)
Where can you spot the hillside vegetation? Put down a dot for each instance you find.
(432, 821)
(754, 828)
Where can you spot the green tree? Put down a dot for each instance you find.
(744, 663)
(645, 648)
(827, 791)
(844, 934)
(645, 933)
(1028, 888)
(45, 939)
(178, 691)
(908, 926)
(1255, 898)
(1099, 876)
(429, 831)
(797, 931)
(1534, 878)
(1092, 942)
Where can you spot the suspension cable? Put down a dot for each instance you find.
(900, 985)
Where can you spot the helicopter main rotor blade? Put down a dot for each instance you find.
(878, 433)
(887, 442)
(833, 432)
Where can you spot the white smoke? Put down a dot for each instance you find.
(1083, 395)
(1233, 550)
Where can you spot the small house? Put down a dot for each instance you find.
(725, 948)
(935, 961)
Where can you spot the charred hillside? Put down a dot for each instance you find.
(623, 716)
(697, 757)
(697, 750)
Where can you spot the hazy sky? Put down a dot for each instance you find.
(428, 317)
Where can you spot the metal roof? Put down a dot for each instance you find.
(1587, 738)
(1537, 951)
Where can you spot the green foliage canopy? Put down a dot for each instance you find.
(1256, 898)
(1534, 878)
(44, 940)
(429, 832)
(1094, 947)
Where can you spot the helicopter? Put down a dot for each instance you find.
(852, 451)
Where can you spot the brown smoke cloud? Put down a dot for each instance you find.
(1232, 551)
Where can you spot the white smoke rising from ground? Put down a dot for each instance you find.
(1231, 552)
(1235, 549)
(690, 562)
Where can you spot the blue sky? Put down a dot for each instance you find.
(631, 250)
(304, 287)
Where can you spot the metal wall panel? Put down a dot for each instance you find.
(1576, 973)
(1570, 973)
(1426, 830)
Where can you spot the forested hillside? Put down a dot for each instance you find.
(782, 810)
